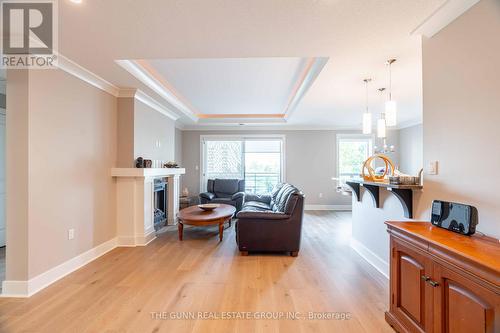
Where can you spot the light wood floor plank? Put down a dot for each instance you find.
(119, 291)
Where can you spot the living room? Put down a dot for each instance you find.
(249, 166)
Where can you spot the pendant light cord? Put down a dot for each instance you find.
(390, 81)
(366, 88)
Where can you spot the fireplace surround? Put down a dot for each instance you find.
(135, 202)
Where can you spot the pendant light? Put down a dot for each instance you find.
(390, 105)
(367, 116)
(381, 122)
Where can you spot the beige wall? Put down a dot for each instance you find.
(125, 150)
(411, 149)
(17, 175)
(151, 126)
(310, 161)
(461, 77)
(61, 146)
(178, 146)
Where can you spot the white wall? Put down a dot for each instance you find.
(461, 71)
(310, 161)
(410, 149)
(461, 115)
(61, 145)
(154, 134)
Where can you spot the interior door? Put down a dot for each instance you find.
(411, 298)
(2, 177)
(462, 306)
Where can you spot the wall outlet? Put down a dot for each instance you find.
(71, 234)
(432, 168)
(197, 168)
(321, 195)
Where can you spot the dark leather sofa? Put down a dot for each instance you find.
(225, 191)
(271, 222)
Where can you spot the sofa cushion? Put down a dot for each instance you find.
(254, 209)
(226, 201)
(225, 188)
(275, 190)
(257, 204)
(278, 197)
(281, 204)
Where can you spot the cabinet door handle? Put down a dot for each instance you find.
(433, 283)
(425, 278)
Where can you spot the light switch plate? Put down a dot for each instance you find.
(71, 234)
(432, 168)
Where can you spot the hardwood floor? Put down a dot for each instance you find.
(119, 291)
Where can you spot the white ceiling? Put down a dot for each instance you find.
(356, 35)
(234, 85)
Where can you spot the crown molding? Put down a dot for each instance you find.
(144, 98)
(266, 127)
(313, 67)
(93, 79)
(127, 93)
(237, 121)
(85, 75)
(152, 103)
(149, 80)
(443, 16)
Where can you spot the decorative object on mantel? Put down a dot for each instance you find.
(372, 175)
(390, 105)
(185, 192)
(171, 164)
(148, 163)
(367, 116)
(139, 163)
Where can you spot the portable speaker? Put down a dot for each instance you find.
(453, 216)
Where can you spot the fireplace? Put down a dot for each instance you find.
(136, 198)
(160, 203)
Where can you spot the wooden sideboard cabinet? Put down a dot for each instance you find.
(441, 281)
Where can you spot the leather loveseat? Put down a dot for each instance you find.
(225, 191)
(271, 222)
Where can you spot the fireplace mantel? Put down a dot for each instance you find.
(134, 202)
(147, 172)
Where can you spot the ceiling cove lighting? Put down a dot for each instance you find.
(390, 105)
(77, 1)
(367, 116)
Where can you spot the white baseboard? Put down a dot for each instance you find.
(39, 282)
(374, 260)
(15, 289)
(133, 241)
(328, 207)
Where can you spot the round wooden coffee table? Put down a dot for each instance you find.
(196, 216)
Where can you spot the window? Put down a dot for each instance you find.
(352, 152)
(259, 160)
